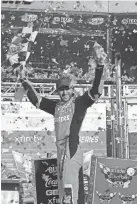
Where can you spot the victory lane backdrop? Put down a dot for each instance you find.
(113, 181)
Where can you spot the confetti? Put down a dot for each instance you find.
(43, 51)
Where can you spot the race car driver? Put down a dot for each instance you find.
(69, 113)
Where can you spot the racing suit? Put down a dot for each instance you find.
(68, 118)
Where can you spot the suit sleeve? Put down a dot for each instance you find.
(47, 105)
(93, 94)
(43, 103)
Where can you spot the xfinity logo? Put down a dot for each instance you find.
(23, 139)
(53, 200)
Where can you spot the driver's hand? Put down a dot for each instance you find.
(99, 54)
(22, 72)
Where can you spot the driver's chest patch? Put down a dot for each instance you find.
(63, 118)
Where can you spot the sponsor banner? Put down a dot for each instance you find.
(41, 19)
(94, 140)
(39, 143)
(46, 181)
(25, 117)
(126, 21)
(113, 180)
(30, 141)
(69, 21)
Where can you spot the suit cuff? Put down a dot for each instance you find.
(38, 103)
(90, 96)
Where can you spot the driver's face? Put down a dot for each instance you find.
(65, 93)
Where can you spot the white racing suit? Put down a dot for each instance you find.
(68, 120)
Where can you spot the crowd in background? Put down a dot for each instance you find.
(53, 54)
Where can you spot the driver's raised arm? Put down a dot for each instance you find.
(93, 94)
(97, 88)
(42, 103)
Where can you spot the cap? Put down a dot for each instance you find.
(67, 80)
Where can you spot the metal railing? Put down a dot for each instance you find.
(49, 89)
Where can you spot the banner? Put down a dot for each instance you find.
(125, 20)
(113, 181)
(46, 181)
(24, 116)
(69, 22)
